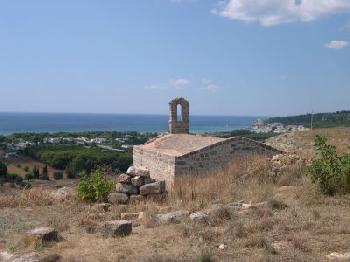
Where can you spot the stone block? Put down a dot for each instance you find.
(44, 234)
(131, 216)
(137, 181)
(124, 179)
(118, 198)
(136, 198)
(126, 189)
(153, 188)
(116, 228)
(199, 217)
(173, 217)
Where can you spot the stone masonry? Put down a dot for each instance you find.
(177, 124)
(179, 153)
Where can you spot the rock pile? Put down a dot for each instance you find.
(134, 185)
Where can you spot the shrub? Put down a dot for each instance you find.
(29, 176)
(329, 170)
(18, 180)
(13, 178)
(26, 168)
(58, 175)
(19, 165)
(94, 187)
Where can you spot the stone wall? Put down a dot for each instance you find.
(175, 126)
(219, 155)
(160, 166)
(213, 157)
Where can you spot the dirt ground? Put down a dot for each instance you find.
(295, 222)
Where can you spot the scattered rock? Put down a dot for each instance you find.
(118, 198)
(142, 172)
(127, 189)
(279, 246)
(199, 216)
(50, 258)
(7, 257)
(250, 205)
(222, 246)
(62, 193)
(124, 179)
(44, 234)
(131, 171)
(173, 217)
(214, 209)
(136, 198)
(137, 181)
(153, 188)
(339, 256)
(148, 180)
(131, 216)
(116, 228)
(102, 207)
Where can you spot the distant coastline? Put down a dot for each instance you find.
(11, 122)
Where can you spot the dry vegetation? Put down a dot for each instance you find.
(297, 223)
(19, 165)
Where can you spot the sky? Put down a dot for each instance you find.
(233, 57)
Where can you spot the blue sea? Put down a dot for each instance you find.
(54, 122)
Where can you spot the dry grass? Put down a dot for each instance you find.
(27, 197)
(297, 223)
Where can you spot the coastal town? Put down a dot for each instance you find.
(12, 145)
(260, 127)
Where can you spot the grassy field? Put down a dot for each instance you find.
(294, 222)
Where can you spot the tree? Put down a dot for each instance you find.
(36, 172)
(44, 175)
(3, 172)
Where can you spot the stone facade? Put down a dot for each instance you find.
(179, 124)
(213, 157)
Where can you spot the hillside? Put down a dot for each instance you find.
(320, 120)
(259, 210)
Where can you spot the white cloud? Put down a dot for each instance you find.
(179, 83)
(337, 44)
(154, 87)
(209, 85)
(274, 12)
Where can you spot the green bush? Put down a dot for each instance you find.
(19, 180)
(330, 170)
(29, 176)
(58, 175)
(94, 187)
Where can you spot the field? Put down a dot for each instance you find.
(288, 219)
(19, 164)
